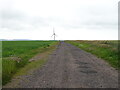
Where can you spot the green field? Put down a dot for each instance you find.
(16, 54)
(106, 49)
(0, 64)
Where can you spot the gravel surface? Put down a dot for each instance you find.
(71, 67)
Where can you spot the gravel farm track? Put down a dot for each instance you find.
(71, 67)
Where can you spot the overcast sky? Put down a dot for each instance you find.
(71, 19)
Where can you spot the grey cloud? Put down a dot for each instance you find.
(98, 24)
(11, 14)
(15, 20)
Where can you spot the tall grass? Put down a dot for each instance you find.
(107, 50)
(9, 68)
(22, 51)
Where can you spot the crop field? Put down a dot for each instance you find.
(105, 49)
(15, 55)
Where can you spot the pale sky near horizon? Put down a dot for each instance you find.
(71, 19)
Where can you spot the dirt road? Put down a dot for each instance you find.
(71, 67)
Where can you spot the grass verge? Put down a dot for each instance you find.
(37, 63)
(107, 50)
